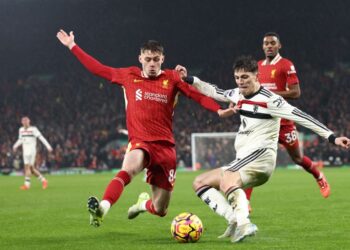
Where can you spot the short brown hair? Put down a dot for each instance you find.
(153, 46)
(246, 63)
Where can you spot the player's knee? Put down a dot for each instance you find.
(198, 183)
(161, 211)
(297, 159)
(224, 187)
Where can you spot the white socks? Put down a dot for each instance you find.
(27, 181)
(217, 202)
(41, 178)
(239, 202)
(105, 206)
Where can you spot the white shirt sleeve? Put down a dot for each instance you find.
(42, 139)
(210, 90)
(278, 107)
(19, 141)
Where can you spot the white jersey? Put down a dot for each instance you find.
(260, 116)
(27, 137)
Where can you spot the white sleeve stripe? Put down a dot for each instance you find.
(300, 113)
(266, 92)
(219, 91)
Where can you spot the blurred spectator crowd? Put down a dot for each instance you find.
(82, 117)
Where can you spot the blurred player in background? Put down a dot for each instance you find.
(278, 75)
(27, 137)
(256, 145)
(150, 96)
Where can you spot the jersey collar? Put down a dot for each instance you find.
(275, 60)
(145, 76)
(254, 94)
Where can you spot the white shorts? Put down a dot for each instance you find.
(256, 168)
(29, 159)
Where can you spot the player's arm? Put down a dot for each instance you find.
(293, 92)
(18, 142)
(204, 101)
(42, 139)
(205, 88)
(90, 63)
(278, 107)
(208, 89)
(45, 142)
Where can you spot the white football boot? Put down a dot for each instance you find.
(244, 231)
(139, 207)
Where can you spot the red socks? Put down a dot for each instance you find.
(150, 208)
(308, 165)
(116, 186)
(248, 193)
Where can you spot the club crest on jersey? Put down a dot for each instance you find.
(138, 95)
(165, 84)
(255, 109)
(273, 73)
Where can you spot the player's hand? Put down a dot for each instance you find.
(342, 141)
(65, 39)
(14, 149)
(50, 149)
(234, 107)
(182, 71)
(223, 113)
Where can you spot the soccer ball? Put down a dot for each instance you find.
(186, 227)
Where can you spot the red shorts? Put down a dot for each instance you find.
(160, 164)
(288, 136)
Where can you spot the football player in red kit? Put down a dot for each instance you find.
(150, 96)
(278, 74)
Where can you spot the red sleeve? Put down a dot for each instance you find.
(92, 65)
(292, 77)
(115, 75)
(192, 93)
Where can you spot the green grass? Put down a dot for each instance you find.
(289, 211)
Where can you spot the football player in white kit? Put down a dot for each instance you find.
(27, 137)
(256, 145)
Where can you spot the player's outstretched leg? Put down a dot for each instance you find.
(218, 204)
(238, 200)
(40, 177)
(139, 206)
(309, 166)
(96, 212)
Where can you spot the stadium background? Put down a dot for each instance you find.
(80, 114)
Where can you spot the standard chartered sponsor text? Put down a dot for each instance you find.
(156, 97)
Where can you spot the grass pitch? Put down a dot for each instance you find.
(289, 211)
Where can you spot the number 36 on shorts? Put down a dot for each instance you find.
(291, 137)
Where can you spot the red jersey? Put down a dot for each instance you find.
(149, 102)
(277, 76)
